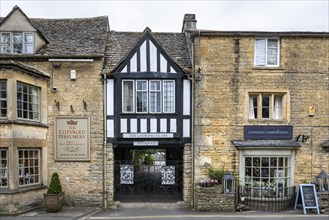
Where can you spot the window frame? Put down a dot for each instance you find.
(23, 43)
(148, 91)
(4, 170)
(29, 104)
(265, 64)
(24, 178)
(3, 100)
(272, 108)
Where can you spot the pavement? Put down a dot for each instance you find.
(156, 211)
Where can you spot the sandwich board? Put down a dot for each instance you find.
(308, 196)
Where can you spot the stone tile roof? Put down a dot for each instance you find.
(119, 44)
(72, 37)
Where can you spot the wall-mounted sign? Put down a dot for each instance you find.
(268, 132)
(148, 135)
(146, 143)
(72, 139)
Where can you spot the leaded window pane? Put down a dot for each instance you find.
(3, 168)
(5, 43)
(141, 96)
(17, 43)
(128, 96)
(168, 96)
(272, 52)
(155, 96)
(260, 52)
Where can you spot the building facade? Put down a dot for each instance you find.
(142, 116)
(261, 105)
(51, 109)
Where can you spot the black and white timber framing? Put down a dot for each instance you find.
(147, 62)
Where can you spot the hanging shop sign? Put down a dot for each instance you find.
(268, 132)
(72, 139)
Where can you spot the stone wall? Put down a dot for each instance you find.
(225, 76)
(213, 199)
(82, 181)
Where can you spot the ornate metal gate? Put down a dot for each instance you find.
(160, 182)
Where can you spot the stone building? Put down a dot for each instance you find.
(51, 108)
(261, 105)
(126, 115)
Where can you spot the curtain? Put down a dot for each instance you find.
(277, 107)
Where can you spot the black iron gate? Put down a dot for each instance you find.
(159, 182)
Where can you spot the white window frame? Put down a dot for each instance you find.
(133, 98)
(285, 153)
(28, 172)
(24, 43)
(155, 91)
(29, 103)
(3, 99)
(162, 96)
(265, 64)
(146, 91)
(274, 114)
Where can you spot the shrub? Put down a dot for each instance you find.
(55, 186)
(216, 174)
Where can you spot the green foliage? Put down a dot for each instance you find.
(55, 186)
(216, 174)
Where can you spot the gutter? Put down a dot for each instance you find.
(105, 192)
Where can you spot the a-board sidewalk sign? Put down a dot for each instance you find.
(308, 196)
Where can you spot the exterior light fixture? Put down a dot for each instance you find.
(228, 183)
(322, 181)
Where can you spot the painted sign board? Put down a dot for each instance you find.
(148, 135)
(308, 196)
(146, 143)
(268, 132)
(72, 139)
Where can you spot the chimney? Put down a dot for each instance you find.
(189, 22)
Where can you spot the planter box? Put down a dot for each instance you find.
(212, 199)
(54, 202)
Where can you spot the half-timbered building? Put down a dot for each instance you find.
(148, 112)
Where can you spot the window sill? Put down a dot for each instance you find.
(22, 189)
(19, 122)
(267, 68)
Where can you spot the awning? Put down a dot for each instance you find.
(266, 144)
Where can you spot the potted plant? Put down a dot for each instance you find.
(54, 197)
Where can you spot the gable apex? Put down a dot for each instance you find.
(148, 55)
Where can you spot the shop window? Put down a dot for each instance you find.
(267, 52)
(28, 102)
(267, 175)
(266, 106)
(17, 43)
(148, 96)
(29, 167)
(3, 168)
(3, 98)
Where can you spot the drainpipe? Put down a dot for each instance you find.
(105, 193)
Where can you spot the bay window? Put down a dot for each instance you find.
(3, 168)
(29, 166)
(3, 98)
(28, 102)
(148, 96)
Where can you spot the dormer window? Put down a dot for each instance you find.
(17, 43)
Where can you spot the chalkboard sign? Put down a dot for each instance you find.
(308, 195)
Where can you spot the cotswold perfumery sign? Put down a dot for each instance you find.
(72, 139)
(268, 132)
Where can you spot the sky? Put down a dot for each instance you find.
(167, 16)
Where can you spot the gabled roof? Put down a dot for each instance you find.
(120, 44)
(70, 37)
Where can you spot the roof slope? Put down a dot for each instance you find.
(119, 44)
(72, 37)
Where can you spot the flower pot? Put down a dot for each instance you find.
(54, 202)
